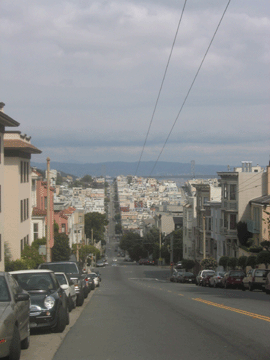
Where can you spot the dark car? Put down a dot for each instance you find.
(188, 277)
(215, 280)
(49, 305)
(267, 283)
(14, 317)
(146, 262)
(233, 279)
(73, 271)
(255, 279)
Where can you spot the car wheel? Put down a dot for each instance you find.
(15, 345)
(226, 286)
(25, 343)
(267, 291)
(250, 287)
(67, 317)
(80, 299)
(61, 320)
(243, 287)
(85, 293)
(70, 304)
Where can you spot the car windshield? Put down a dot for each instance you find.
(35, 281)
(61, 279)
(221, 273)
(261, 273)
(237, 273)
(207, 273)
(188, 274)
(4, 293)
(66, 268)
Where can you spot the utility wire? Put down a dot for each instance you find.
(189, 90)
(162, 82)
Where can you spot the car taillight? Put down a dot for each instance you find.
(219, 277)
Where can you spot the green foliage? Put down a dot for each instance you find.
(263, 258)
(85, 251)
(20, 264)
(117, 217)
(242, 262)
(233, 262)
(97, 222)
(251, 261)
(59, 179)
(255, 249)
(118, 228)
(208, 263)
(87, 179)
(223, 261)
(61, 250)
(242, 233)
(7, 253)
(132, 243)
(36, 243)
(188, 264)
(266, 245)
(31, 255)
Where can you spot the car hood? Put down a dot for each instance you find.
(37, 296)
(3, 308)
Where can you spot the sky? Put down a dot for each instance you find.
(82, 78)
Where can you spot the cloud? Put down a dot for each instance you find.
(85, 75)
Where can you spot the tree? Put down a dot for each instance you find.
(251, 261)
(97, 222)
(31, 256)
(85, 251)
(36, 243)
(87, 179)
(132, 243)
(118, 228)
(233, 262)
(242, 262)
(188, 264)
(223, 261)
(242, 233)
(61, 250)
(263, 258)
(55, 228)
(209, 263)
(178, 245)
(266, 245)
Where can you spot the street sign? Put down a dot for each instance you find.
(42, 250)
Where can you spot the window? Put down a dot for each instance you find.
(27, 239)
(24, 206)
(225, 191)
(233, 221)
(205, 199)
(45, 202)
(63, 228)
(27, 171)
(233, 192)
(27, 208)
(24, 171)
(21, 246)
(21, 210)
(24, 241)
(35, 231)
(22, 167)
(225, 221)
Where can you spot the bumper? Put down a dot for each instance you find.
(44, 319)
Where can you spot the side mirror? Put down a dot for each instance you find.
(64, 286)
(21, 297)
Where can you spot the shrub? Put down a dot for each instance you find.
(263, 258)
(242, 262)
(223, 261)
(252, 261)
(233, 262)
(209, 263)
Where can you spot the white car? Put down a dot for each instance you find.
(95, 278)
(69, 287)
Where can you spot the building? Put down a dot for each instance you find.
(5, 121)
(17, 195)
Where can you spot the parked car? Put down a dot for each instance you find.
(91, 282)
(255, 279)
(146, 262)
(267, 283)
(215, 280)
(95, 278)
(179, 265)
(74, 273)
(187, 277)
(68, 286)
(201, 275)
(100, 263)
(49, 305)
(206, 278)
(14, 317)
(179, 276)
(232, 278)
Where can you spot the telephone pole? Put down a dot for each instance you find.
(48, 235)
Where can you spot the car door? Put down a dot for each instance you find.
(247, 278)
(21, 308)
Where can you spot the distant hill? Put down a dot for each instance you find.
(113, 169)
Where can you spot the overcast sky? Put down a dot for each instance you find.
(82, 78)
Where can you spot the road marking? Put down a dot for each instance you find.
(169, 290)
(180, 294)
(247, 313)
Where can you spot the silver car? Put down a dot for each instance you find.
(14, 318)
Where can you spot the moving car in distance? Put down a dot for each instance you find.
(68, 286)
(14, 318)
(202, 274)
(49, 306)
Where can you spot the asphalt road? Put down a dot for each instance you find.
(138, 314)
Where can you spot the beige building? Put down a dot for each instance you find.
(5, 121)
(238, 188)
(17, 196)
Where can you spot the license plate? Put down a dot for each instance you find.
(238, 279)
(189, 280)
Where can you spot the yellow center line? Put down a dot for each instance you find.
(169, 290)
(180, 294)
(247, 313)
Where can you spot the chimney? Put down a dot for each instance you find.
(2, 106)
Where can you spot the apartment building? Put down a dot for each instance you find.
(238, 188)
(17, 195)
(5, 121)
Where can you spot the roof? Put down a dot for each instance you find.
(262, 200)
(39, 212)
(7, 121)
(21, 145)
(31, 271)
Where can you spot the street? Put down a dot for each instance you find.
(138, 314)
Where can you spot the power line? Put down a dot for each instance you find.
(189, 90)
(162, 82)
